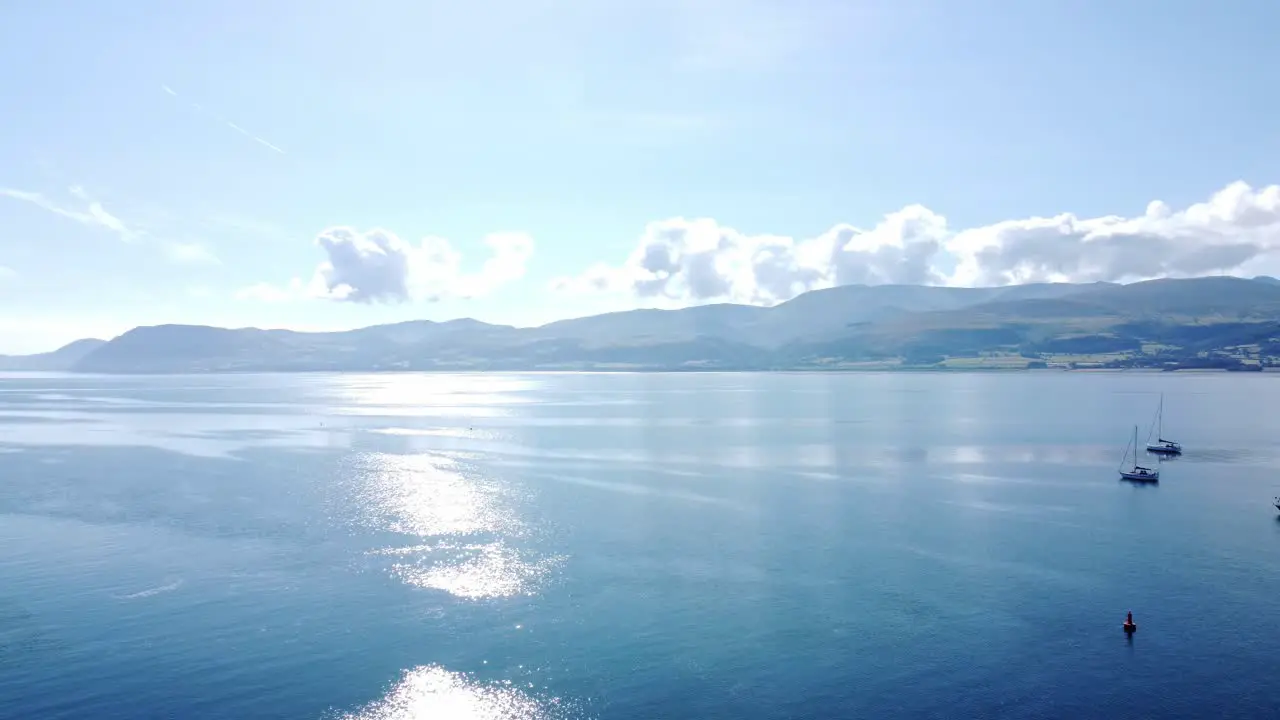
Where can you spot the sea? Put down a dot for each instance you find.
(636, 546)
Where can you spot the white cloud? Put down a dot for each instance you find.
(1237, 225)
(511, 253)
(91, 215)
(700, 261)
(379, 267)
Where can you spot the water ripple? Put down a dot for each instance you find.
(149, 592)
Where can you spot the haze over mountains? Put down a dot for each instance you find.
(906, 325)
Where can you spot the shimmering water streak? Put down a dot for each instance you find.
(459, 526)
(434, 693)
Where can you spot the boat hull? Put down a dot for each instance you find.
(1164, 449)
(1139, 476)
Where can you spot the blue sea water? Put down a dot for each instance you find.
(635, 546)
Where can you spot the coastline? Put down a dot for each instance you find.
(18, 374)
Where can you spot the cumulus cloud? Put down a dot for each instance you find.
(1238, 224)
(700, 260)
(378, 266)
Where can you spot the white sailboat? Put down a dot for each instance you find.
(1136, 472)
(1161, 446)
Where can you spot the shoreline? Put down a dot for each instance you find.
(638, 371)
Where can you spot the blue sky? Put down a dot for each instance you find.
(200, 161)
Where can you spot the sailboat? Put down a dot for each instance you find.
(1136, 472)
(1161, 446)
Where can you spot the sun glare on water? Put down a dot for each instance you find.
(462, 524)
(433, 693)
(478, 572)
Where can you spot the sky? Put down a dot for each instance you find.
(319, 165)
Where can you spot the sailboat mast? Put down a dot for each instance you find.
(1160, 419)
(1125, 456)
(1135, 446)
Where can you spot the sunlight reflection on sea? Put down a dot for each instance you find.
(460, 525)
(433, 693)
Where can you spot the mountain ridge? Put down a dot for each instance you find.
(1168, 323)
(58, 360)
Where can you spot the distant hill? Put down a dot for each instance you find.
(60, 360)
(1226, 322)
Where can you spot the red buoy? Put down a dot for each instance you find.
(1129, 625)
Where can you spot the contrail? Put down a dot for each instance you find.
(229, 124)
(251, 136)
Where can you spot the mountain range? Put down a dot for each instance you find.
(1168, 323)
